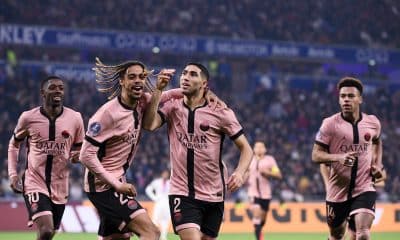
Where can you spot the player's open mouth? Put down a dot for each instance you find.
(137, 88)
(57, 98)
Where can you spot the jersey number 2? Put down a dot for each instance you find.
(177, 202)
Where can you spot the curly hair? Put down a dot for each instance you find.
(108, 76)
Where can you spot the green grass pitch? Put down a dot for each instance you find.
(236, 236)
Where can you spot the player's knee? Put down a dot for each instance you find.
(363, 234)
(205, 237)
(157, 233)
(46, 233)
(351, 234)
(152, 232)
(337, 234)
(256, 220)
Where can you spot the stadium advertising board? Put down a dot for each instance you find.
(184, 44)
(290, 217)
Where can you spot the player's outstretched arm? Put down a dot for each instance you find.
(237, 178)
(151, 119)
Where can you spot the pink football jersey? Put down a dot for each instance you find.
(110, 143)
(196, 138)
(259, 186)
(49, 146)
(340, 136)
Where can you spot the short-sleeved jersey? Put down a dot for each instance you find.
(49, 144)
(113, 134)
(260, 186)
(340, 136)
(196, 137)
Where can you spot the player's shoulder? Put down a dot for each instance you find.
(269, 157)
(370, 117)
(30, 113)
(174, 102)
(224, 113)
(335, 118)
(173, 105)
(158, 180)
(110, 106)
(72, 112)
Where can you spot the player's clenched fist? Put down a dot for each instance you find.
(348, 159)
(127, 188)
(164, 77)
(16, 184)
(235, 181)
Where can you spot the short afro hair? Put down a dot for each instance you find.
(350, 82)
(45, 80)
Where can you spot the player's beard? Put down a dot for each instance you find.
(191, 92)
(52, 103)
(348, 110)
(135, 96)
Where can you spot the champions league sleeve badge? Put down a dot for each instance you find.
(94, 129)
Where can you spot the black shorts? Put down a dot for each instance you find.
(116, 210)
(338, 212)
(187, 212)
(38, 203)
(264, 203)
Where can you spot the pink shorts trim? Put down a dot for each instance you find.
(187, 225)
(132, 216)
(30, 222)
(136, 213)
(362, 210)
(122, 225)
(39, 214)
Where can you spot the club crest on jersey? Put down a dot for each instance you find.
(177, 216)
(94, 129)
(132, 204)
(34, 207)
(204, 126)
(65, 134)
(367, 137)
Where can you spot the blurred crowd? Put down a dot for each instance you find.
(366, 22)
(286, 114)
(285, 117)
